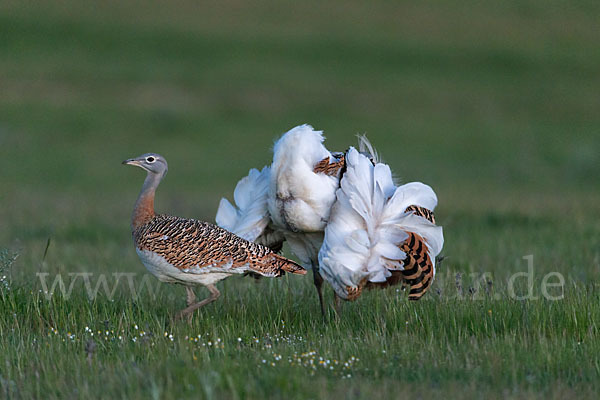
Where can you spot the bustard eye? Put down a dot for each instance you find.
(150, 159)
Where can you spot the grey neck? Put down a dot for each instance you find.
(150, 184)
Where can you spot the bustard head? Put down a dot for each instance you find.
(151, 162)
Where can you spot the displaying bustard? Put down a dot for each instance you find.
(308, 198)
(191, 252)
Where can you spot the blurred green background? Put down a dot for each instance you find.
(494, 104)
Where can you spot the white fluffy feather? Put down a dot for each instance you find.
(299, 200)
(368, 223)
(250, 216)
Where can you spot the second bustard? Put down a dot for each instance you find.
(191, 252)
(291, 200)
(341, 214)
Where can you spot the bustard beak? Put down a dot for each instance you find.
(131, 161)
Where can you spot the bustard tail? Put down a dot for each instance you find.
(287, 265)
(374, 237)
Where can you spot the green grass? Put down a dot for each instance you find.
(493, 104)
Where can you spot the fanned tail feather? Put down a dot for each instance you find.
(371, 237)
(249, 217)
(358, 243)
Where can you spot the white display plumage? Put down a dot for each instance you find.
(347, 229)
(250, 216)
(299, 199)
(368, 223)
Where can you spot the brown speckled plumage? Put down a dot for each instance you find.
(191, 252)
(355, 292)
(187, 243)
(331, 168)
(422, 212)
(337, 167)
(418, 266)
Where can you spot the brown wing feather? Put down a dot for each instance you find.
(422, 212)
(355, 292)
(186, 243)
(330, 168)
(418, 268)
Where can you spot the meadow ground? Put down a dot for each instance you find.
(494, 104)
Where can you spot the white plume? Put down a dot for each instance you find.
(250, 216)
(365, 147)
(368, 222)
(299, 199)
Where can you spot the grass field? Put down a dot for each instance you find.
(494, 104)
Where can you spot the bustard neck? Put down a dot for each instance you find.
(144, 206)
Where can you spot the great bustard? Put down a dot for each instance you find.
(299, 199)
(192, 252)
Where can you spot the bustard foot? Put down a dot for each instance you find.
(189, 310)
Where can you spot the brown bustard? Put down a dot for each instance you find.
(191, 252)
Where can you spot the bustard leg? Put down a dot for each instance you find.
(338, 304)
(318, 280)
(214, 295)
(191, 296)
